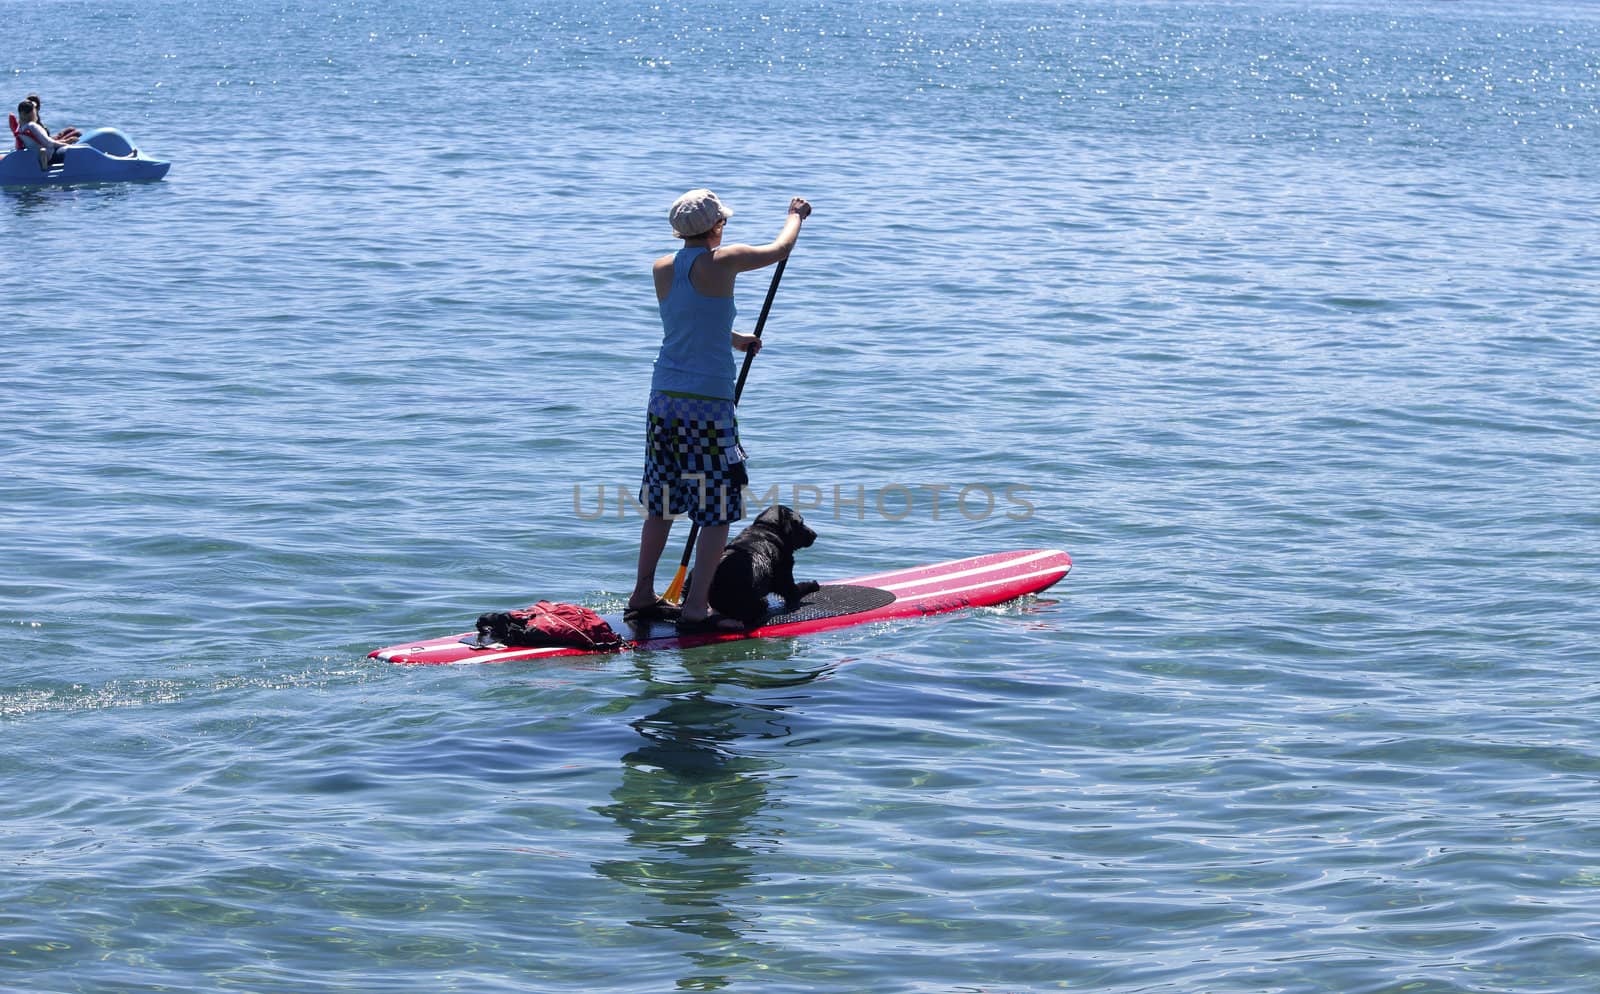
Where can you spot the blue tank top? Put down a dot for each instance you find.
(695, 356)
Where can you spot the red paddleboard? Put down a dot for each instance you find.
(918, 590)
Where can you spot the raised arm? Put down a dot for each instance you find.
(735, 259)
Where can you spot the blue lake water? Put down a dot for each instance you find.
(1280, 315)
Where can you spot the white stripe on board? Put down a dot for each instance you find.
(992, 567)
(419, 655)
(981, 586)
(931, 568)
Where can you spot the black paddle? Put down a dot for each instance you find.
(674, 593)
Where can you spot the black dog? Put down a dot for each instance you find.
(761, 561)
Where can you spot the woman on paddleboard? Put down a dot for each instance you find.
(694, 464)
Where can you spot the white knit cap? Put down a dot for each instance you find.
(696, 213)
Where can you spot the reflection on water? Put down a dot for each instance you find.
(29, 200)
(692, 795)
(26, 200)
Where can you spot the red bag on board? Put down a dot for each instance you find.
(549, 624)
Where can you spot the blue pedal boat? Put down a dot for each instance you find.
(104, 155)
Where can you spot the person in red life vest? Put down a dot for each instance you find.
(66, 136)
(694, 463)
(32, 136)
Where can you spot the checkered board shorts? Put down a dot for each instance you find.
(693, 462)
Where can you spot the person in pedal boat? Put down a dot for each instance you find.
(33, 136)
(66, 136)
(694, 464)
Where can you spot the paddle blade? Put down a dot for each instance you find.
(674, 594)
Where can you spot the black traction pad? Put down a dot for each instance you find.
(832, 601)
